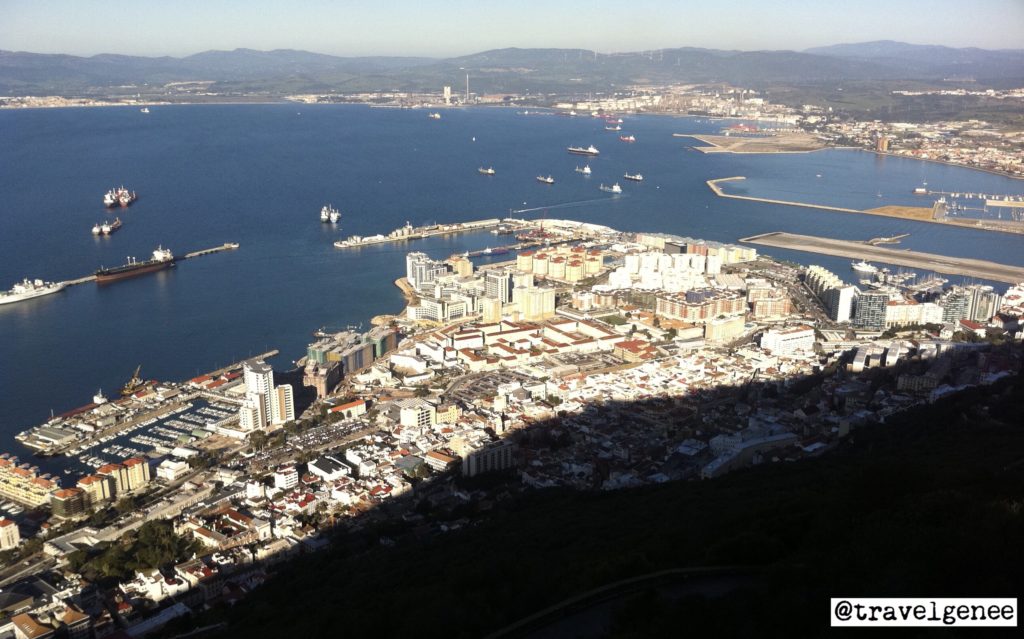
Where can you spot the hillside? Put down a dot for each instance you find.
(502, 70)
(931, 504)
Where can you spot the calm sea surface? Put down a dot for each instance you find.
(258, 175)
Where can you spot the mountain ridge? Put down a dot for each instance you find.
(509, 69)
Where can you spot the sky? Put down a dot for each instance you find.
(456, 27)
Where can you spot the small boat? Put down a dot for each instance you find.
(627, 138)
(546, 180)
(636, 178)
(488, 171)
(614, 188)
(585, 170)
(434, 116)
(144, 109)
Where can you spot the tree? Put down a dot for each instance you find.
(258, 440)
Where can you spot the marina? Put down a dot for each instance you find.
(966, 267)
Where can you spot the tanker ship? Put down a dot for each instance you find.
(162, 258)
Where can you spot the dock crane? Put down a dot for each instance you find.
(133, 384)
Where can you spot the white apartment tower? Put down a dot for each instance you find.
(282, 405)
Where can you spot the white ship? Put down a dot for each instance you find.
(585, 170)
(635, 178)
(863, 270)
(614, 188)
(330, 214)
(579, 150)
(144, 109)
(546, 180)
(434, 116)
(27, 289)
(488, 171)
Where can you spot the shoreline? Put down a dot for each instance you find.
(977, 225)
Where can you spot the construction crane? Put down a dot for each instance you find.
(133, 384)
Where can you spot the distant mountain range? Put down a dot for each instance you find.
(503, 70)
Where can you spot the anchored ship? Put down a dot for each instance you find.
(488, 171)
(27, 289)
(614, 188)
(330, 214)
(107, 228)
(119, 197)
(585, 170)
(635, 178)
(579, 150)
(627, 138)
(162, 258)
(434, 116)
(546, 180)
(613, 128)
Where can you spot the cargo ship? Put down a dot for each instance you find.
(614, 188)
(107, 228)
(27, 289)
(162, 258)
(119, 197)
(579, 150)
(488, 171)
(585, 170)
(627, 138)
(636, 178)
(546, 180)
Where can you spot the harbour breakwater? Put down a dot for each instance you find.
(918, 214)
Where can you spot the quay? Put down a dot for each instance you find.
(227, 246)
(947, 265)
(935, 215)
(410, 232)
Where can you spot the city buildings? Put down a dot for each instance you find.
(10, 536)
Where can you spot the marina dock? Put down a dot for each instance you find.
(947, 265)
(119, 427)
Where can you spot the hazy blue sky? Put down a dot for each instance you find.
(454, 27)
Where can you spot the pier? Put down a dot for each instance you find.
(934, 214)
(410, 232)
(227, 246)
(947, 265)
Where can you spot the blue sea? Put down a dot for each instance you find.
(258, 175)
